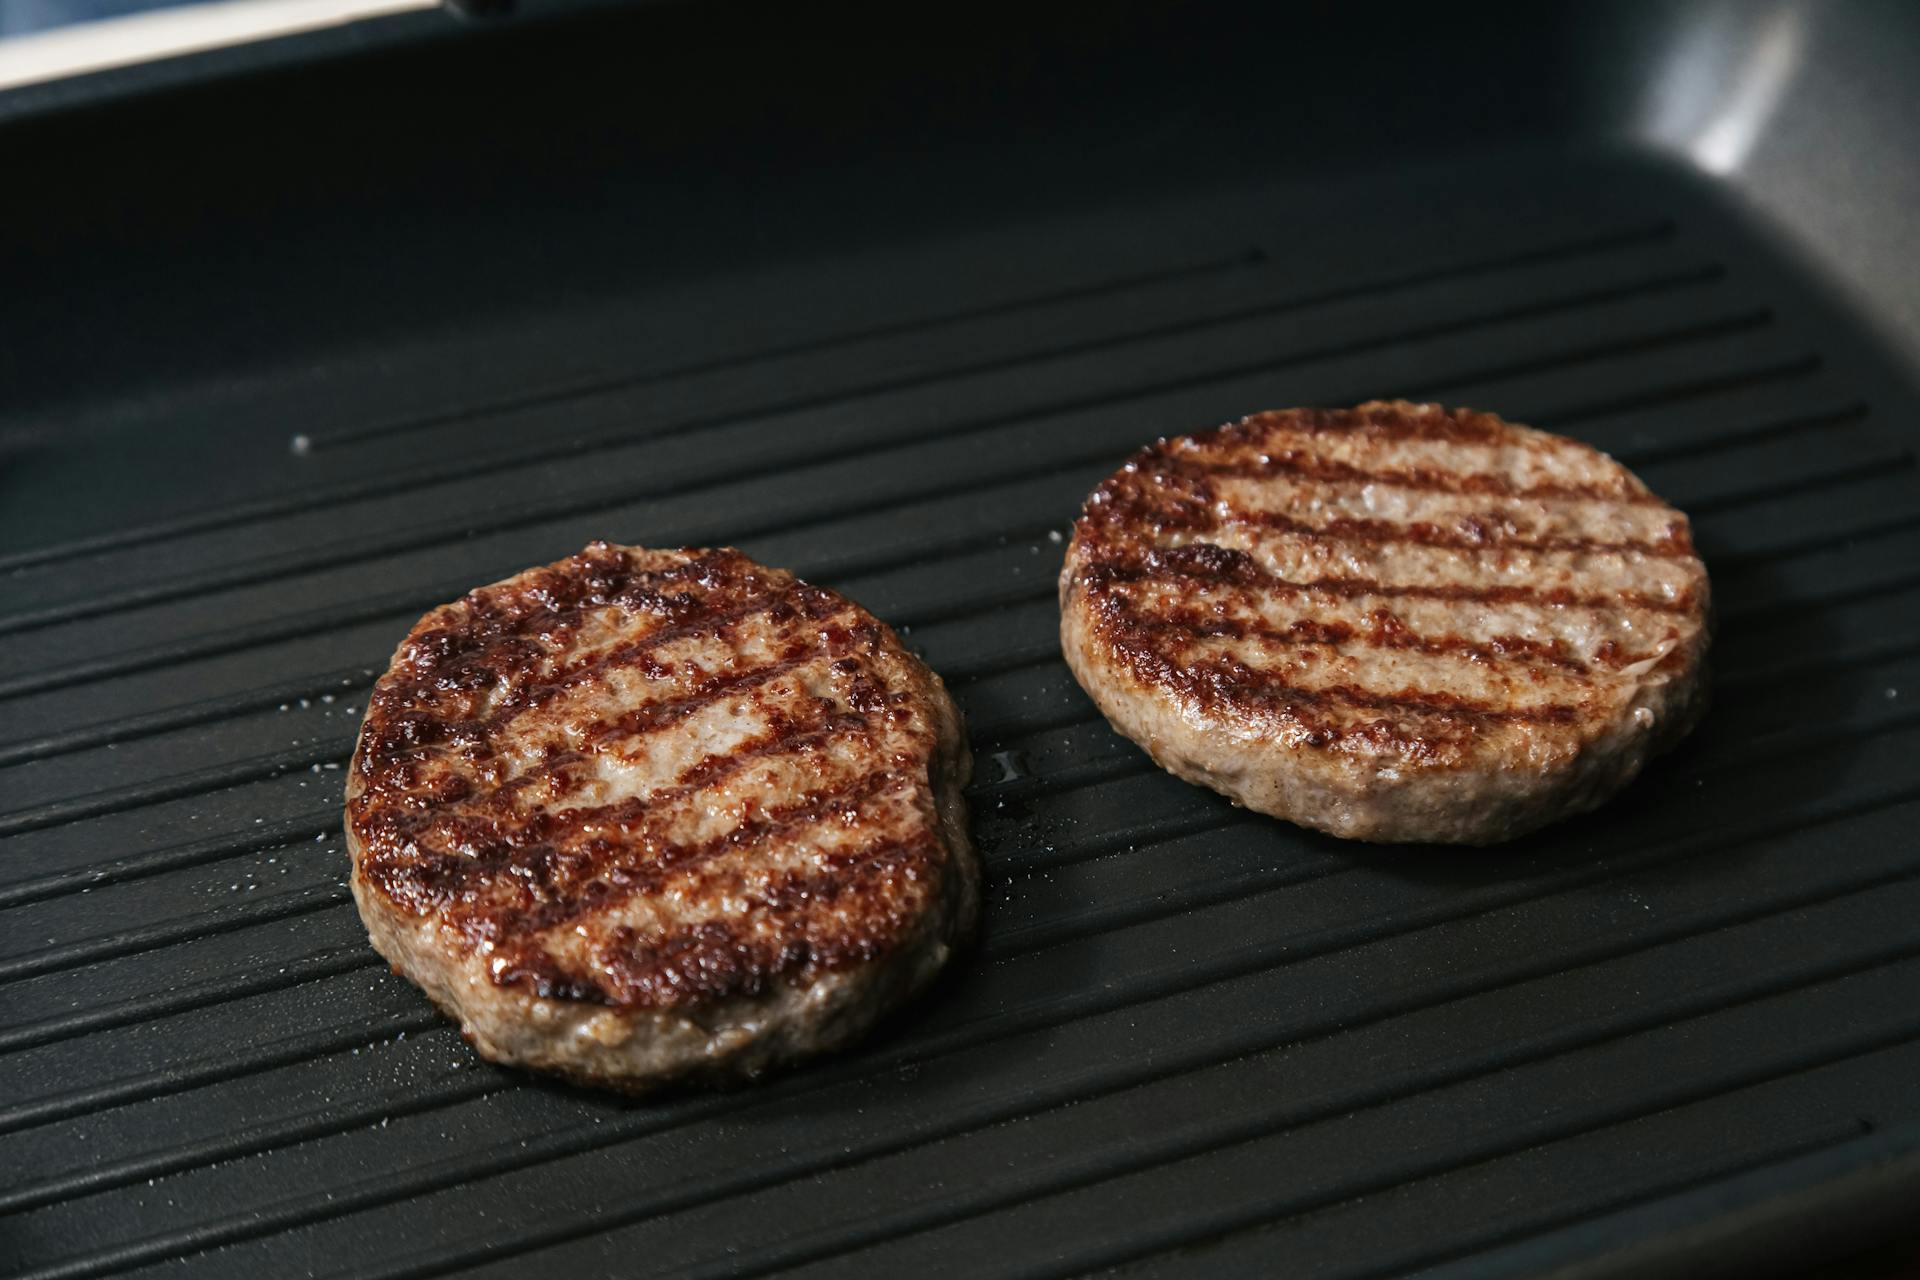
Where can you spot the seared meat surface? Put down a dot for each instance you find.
(1397, 622)
(645, 814)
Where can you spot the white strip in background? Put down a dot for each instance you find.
(165, 33)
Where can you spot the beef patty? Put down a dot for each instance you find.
(646, 814)
(1396, 622)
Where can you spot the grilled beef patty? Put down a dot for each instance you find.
(646, 814)
(1397, 622)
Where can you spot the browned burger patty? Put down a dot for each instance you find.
(644, 814)
(1395, 622)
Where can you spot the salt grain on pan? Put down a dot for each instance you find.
(301, 445)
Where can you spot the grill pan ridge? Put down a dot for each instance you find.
(1190, 1040)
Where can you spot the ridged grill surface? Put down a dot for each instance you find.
(1190, 1038)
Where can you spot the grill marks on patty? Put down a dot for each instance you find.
(1394, 579)
(651, 786)
(1211, 564)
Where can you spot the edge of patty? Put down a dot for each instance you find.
(641, 1050)
(1348, 797)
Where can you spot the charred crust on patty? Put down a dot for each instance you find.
(644, 814)
(1394, 622)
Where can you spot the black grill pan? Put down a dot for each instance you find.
(887, 329)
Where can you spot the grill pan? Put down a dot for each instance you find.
(293, 359)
